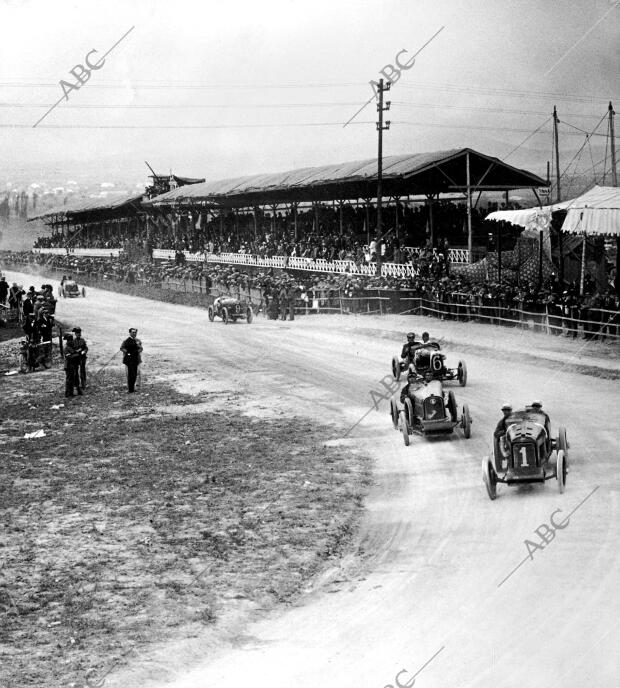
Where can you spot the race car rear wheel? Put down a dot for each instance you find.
(466, 422)
(404, 428)
(396, 368)
(560, 471)
(394, 413)
(249, 314)
(225, 316)
(452, 408)
(211, 313)
(563, 442)
(462, 373)
(490, 478)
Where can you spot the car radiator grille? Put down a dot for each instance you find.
(433, 408)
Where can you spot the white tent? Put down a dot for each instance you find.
(595, 212)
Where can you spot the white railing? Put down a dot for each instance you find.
(92, 252)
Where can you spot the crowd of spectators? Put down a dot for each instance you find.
(436, 289)
(320, 236)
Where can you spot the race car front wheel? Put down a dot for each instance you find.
(396, 368)
(560, 471)
(404, 428)
(490, 478)
(211, 313)
(225, 317)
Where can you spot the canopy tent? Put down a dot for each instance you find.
(596, 212)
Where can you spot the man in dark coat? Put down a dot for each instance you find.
(132, 357)
(72, 363)
(82, 347)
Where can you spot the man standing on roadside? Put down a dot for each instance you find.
(132, 357)
(80, 344)
(72, 367)
(4, 290)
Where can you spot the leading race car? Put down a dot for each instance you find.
(427, 358)
(70, 289)
(230, 310)
(526, 453)
(428, 410)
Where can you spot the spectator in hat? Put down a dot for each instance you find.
(72, 364)
(132, 357)
(80, 344)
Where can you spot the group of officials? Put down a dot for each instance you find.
(76, 349)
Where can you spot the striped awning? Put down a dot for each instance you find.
(595, 212)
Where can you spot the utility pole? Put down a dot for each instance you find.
(558, 194)
(380, 128)
(614, 181)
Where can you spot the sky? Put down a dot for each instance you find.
(223, 89)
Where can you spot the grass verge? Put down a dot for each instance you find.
(128, 524)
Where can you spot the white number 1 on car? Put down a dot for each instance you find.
(523, 452)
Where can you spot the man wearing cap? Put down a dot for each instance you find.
(80, 344)
(500, 434)
(132, 357)
(536, 407)
(72, 363)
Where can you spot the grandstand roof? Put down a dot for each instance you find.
(84, 208)
(420, 173)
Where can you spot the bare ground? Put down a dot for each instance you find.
(150, 518)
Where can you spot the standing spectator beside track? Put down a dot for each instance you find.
(4, 290)
(72, 364)
(44, 325)
(82, 347)
(132, 357)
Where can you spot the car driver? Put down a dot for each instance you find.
(409, 347)
(500, 432)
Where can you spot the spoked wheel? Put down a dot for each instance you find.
(462, 373)
(466, 422)
(404, 427)
(249, 315)
(396, 368)
(394, 413)
(563, 442)
(211, 313)
(452, 406)
(83, 292)
(24, 367)
(560, 471)
(225, 316)
(409, 412)
(490, 478)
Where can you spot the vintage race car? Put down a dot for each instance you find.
(526, 453)
(70, 289)
(432, 411)
(230, 310)
(428, 358)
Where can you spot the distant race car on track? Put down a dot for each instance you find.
(230, 310)
(70, 289)
(526, 453)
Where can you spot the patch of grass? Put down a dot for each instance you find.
(126, 521)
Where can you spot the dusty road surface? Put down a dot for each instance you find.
(443, 574)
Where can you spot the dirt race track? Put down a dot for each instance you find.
(436, 578)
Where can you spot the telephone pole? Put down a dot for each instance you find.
(558, 194)
(380, 127)
(614, 181)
